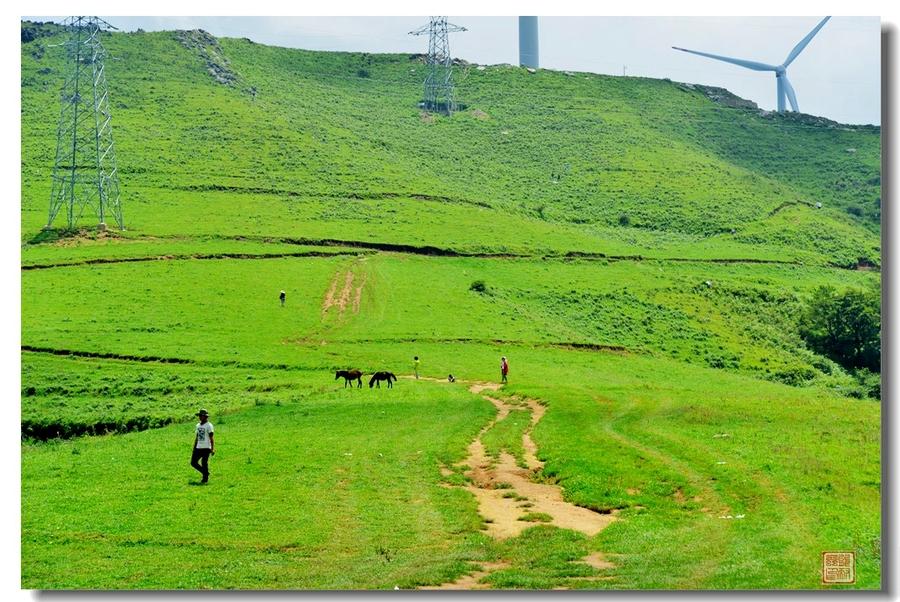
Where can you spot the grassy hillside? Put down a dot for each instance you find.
(640, 252)
(324, 144)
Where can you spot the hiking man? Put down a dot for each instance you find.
(504, 368)
(204, 445)
(416, 366)
(282, 297)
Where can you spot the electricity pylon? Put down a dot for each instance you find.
(439, 83)
(84, 173)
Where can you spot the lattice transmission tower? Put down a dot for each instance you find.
(84, 173)
(439, 82)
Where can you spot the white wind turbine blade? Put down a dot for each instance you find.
(789, 89)
(748, 64)
(802, 44)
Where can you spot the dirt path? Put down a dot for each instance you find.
(348, 299)
(471, 581)
(507, 492)
(509, 498)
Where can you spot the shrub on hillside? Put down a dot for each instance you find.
(869, 382)
(624, 220)
(845, 327)
(795, 375)
(480, 287)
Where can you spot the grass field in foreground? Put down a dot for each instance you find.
(300, 497)
(639, 430)
(641, 435)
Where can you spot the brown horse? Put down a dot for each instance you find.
(350, 375)
(380, 376)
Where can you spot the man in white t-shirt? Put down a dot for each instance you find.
(204, 446)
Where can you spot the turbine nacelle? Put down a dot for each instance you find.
(784, 89)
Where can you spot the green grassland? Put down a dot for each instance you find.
(643, 252)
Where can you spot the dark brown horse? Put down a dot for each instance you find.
(349, 375)
(380, 376)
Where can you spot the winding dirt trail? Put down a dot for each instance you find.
(506, 492)
(509, 497)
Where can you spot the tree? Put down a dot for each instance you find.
(845, 326)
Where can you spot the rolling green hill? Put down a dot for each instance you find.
(641, 252)
(336, 139)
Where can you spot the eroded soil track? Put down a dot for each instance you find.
(510, 498)
(349, 297)
(507, 492)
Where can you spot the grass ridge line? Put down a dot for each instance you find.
(158, 359)
(236, 364)
(109, 356)
(426, 250)
(180, 257)
(360, 196)
(469, 340)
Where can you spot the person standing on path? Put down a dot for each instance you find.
(204, 446)
(416, 366)
(504, 368)
(282, 297)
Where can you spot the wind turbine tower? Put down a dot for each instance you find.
(528, 42)
(783, 85)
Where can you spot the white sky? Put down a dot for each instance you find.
(837, 75)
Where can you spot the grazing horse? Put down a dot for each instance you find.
(349, 375)
(380, 376)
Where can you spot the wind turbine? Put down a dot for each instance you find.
(784, 87)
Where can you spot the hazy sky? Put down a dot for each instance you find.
(836, 76)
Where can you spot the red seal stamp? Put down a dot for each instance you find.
(838, 567)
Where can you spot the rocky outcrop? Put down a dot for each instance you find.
(207, 47)
(721, 96)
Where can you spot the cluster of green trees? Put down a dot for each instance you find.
(846, 327)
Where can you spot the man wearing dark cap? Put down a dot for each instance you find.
(203, 445)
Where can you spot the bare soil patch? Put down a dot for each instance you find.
(598, 561)
(507, 493)
(328, 303)
(349, 298)
(345, 292)
(357, 295)
(502, 488)
(471, 581)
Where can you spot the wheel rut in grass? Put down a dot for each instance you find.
(349, 297)
(510, 498)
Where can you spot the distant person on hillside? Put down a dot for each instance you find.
(450, 378)
(204, 445)
(282, 297)
(504, 368)
(416, 365)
